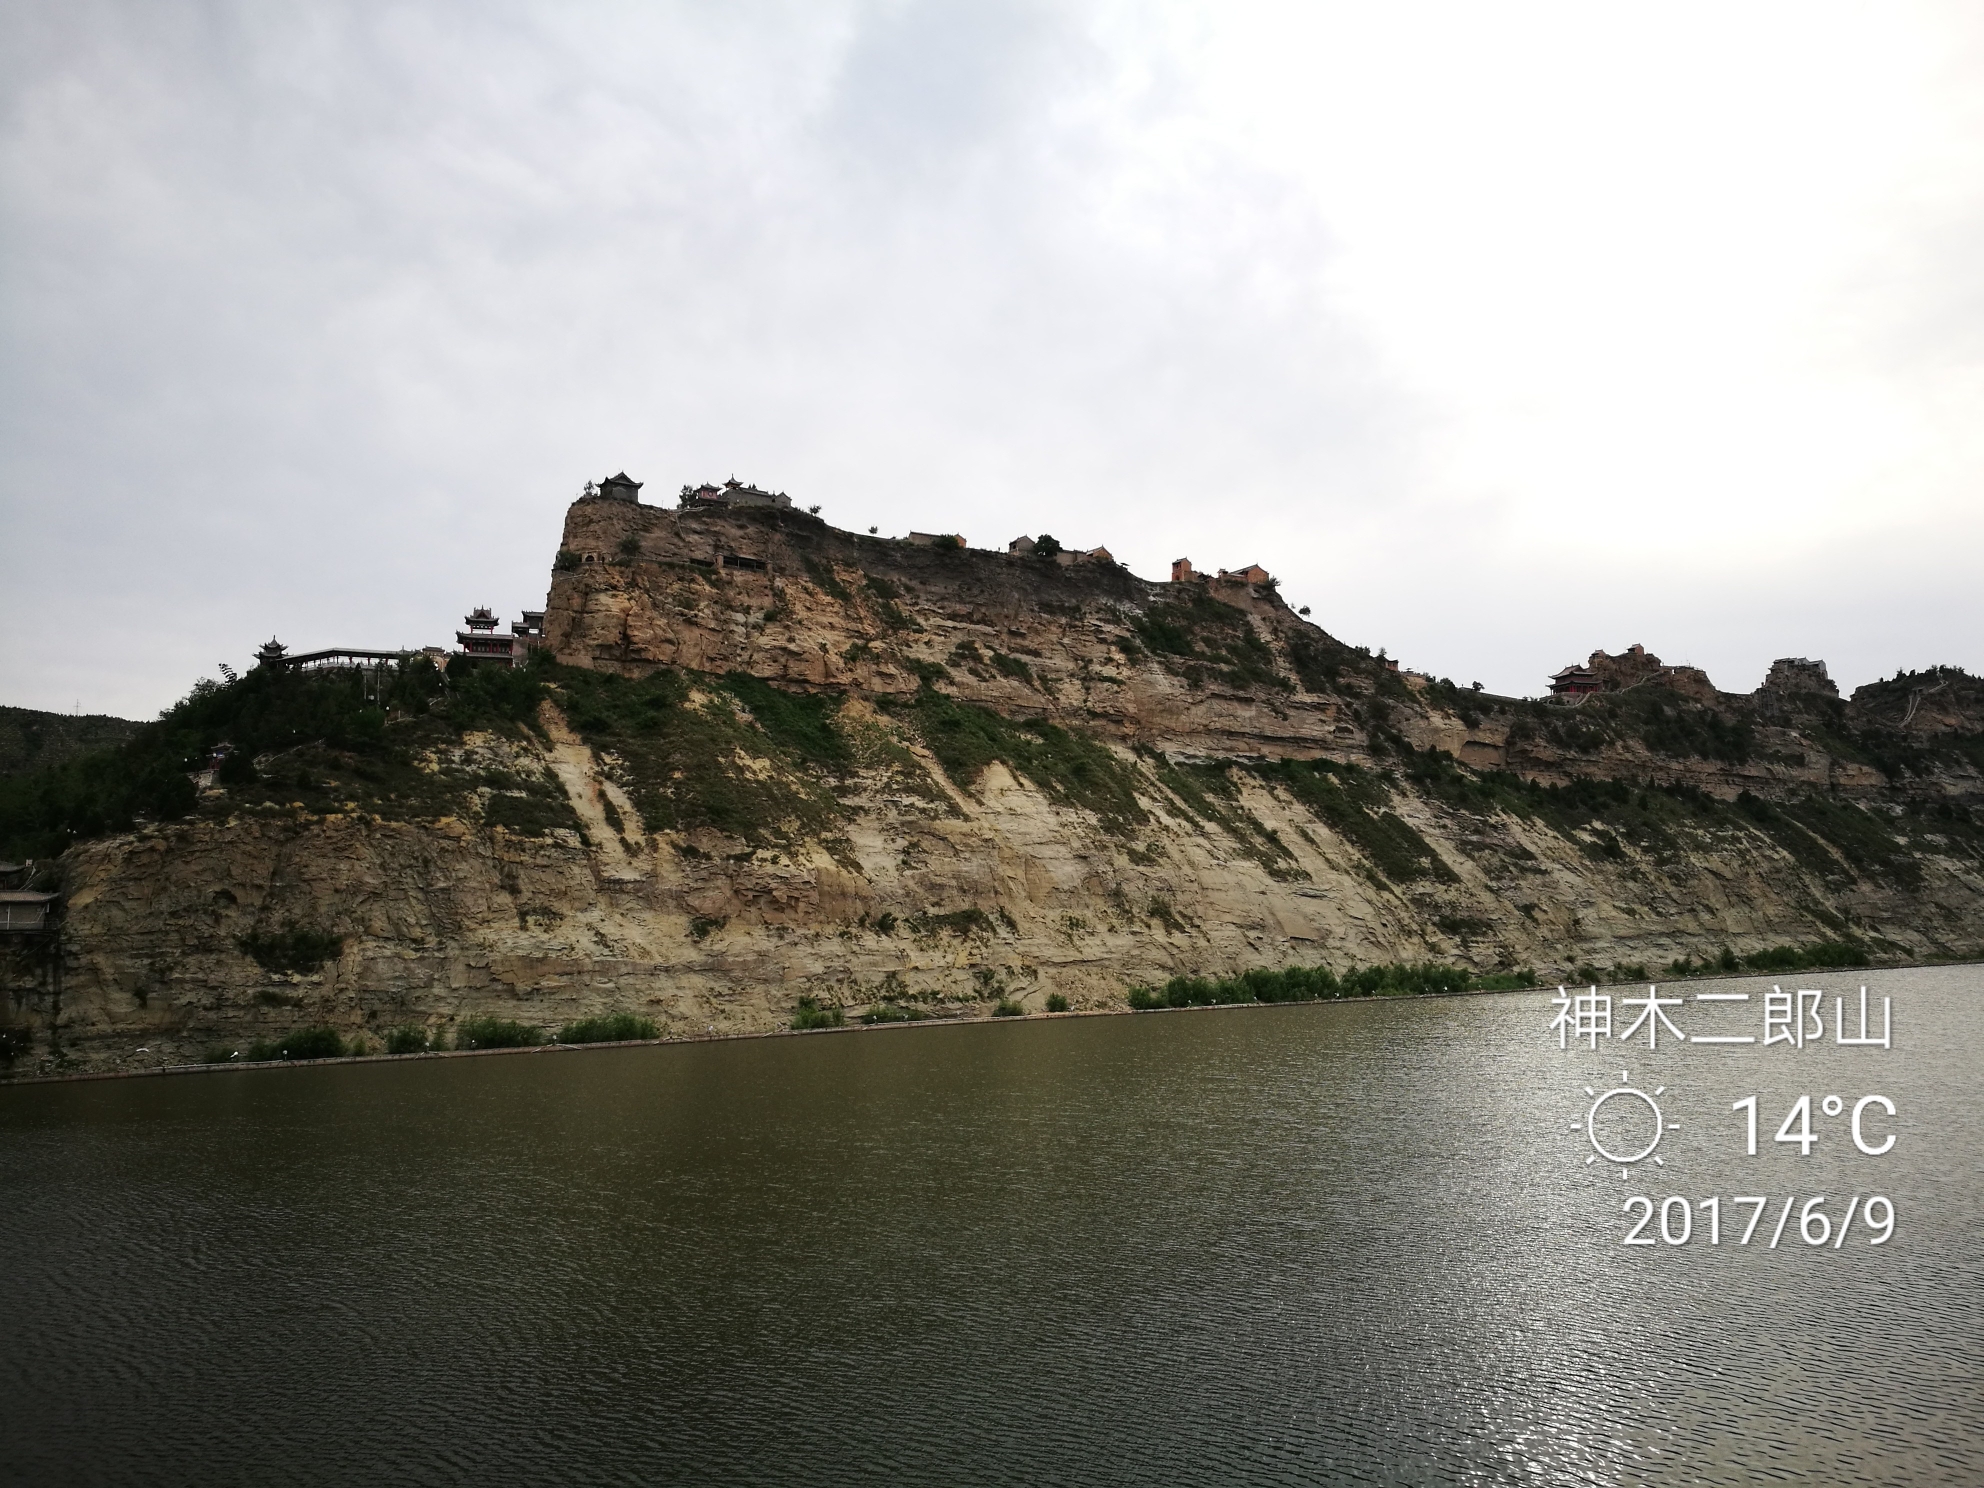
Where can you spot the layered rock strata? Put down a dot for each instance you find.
(1197, 834)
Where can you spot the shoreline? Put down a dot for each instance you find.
(9, 1081)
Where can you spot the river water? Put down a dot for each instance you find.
(1342, 1243)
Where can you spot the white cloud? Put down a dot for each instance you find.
(1502, 332)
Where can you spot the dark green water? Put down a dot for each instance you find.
(1351, 1243)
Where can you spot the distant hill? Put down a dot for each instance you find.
(30, 740)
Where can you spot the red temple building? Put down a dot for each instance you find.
(481, 644)
(1575, 681)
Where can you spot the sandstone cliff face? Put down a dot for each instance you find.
(1195, 839)
(785, 597)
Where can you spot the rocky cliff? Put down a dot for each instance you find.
(766, 759)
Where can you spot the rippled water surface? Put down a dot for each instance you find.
(1349, 1243)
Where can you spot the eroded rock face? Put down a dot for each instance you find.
(785, 597)
(706, 933)
(951, 894)
(827, 610)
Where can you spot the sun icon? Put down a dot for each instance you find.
(1634, 1108)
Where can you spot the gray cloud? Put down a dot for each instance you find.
(312, 321)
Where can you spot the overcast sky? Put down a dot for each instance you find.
(1500, 332)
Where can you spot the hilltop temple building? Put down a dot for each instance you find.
(481, 644)
(732, 492)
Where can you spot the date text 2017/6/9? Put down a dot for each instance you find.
(1815, 1227)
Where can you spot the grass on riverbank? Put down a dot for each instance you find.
(811, 1013)
(614, 1028)
(1825, 955)
(1320, 984)
(302, 1043)
(496, 1033)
